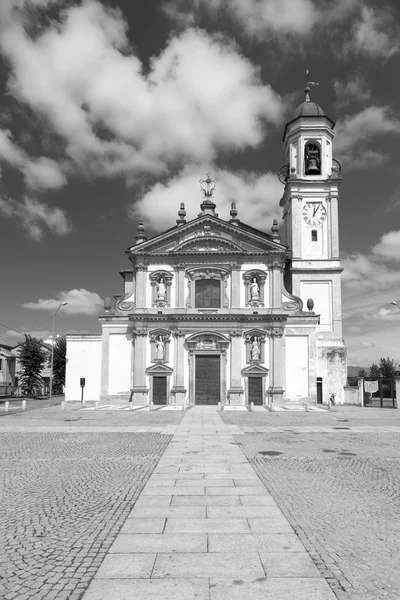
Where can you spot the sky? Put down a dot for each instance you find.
(112, 111)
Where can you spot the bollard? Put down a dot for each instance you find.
(23, 404)
(306, 406)
(96, 405)
(151, 405)
(251, 406)
(219, 406)
(6, 406)
(130, 406)
(63, 405)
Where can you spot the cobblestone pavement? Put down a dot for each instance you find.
(73, 415)
(341, 494)
(64, 498)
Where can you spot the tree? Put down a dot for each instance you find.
(388, 367)
(362, 372)
(59, 363)
(374, 370)
(32, 357)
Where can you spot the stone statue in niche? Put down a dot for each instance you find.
(255, 349)
(161, 290)
(160, 348)
(254, 290)
(312, 160)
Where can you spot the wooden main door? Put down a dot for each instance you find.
(208, 379)
(255, 390)
(159, 390)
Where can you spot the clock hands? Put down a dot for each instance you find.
(315, 210)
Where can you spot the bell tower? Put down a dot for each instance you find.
(311, 228)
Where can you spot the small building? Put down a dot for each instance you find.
(214, 310)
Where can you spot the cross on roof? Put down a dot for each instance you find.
(210, 185)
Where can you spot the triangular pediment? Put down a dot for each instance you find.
(207, 235)
(159, 368)
(255, 369)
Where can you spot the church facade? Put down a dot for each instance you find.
(215, 310)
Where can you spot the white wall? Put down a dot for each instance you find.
(296, 367)
(321, 293)
(120, 363)
(83, 360)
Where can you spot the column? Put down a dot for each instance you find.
(277, 364)
(178, 389)
(236, 391)
(140, 392)
(141, 272)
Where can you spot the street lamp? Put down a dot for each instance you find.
(395, 304)
(52, 349)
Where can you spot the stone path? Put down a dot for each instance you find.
(206, 528)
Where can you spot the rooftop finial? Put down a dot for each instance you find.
(233, 213)
(309, 85)
(181, 215)
(140, 236)
(275, 230)
(210, 185)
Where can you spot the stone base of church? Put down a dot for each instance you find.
(275, 396)
(115, 399)
(178, 394)
(235, 396)
(140, 395)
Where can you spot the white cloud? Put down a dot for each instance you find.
(388, 247)
(256, 197)
(35, 217)
(354, 90)
(199, 96)
(375, 34)
(354, 134)
(39, 173)
(262, 18)
(80, 302)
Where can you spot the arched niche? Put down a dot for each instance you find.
(260, 277)
(159, 339)
(158, 278)
(255, 338)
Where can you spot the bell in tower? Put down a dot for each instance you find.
(312, 160)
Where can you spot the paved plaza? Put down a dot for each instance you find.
(164, 504)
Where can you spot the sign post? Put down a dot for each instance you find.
(82, 383)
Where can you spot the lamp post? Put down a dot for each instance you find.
(52, 349)
(395, 304)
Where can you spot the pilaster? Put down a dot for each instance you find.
(140, 390)
(275, 391)
(105, 363)
(180, 285)
(141, 271)
(236, 390)
(276, 270)
(235, 285)
(178, 390)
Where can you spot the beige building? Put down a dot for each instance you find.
(218, 311)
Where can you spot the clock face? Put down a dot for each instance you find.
(314, 213)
